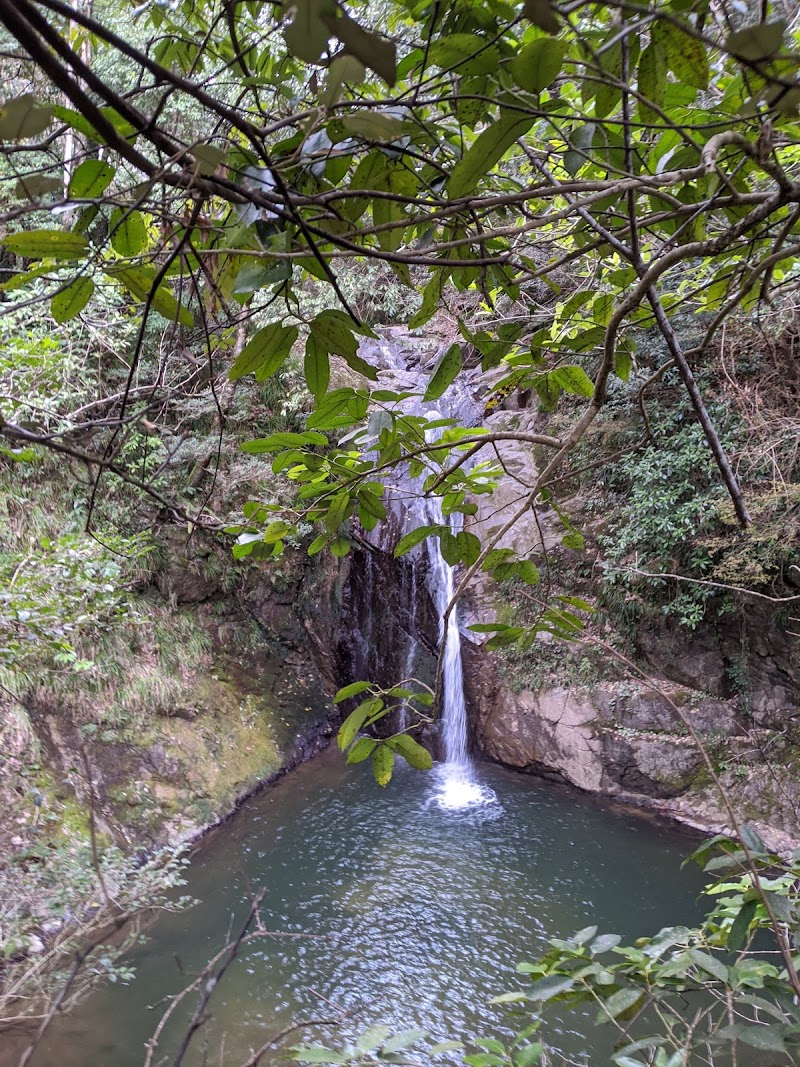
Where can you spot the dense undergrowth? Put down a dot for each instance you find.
(87, 636)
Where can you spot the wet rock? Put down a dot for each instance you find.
(35, 946)
(688, 658)
(654, 768)
(51, 927)
(647, 710)
(603, 740)
(534, 531)
(552, 729)
(751, 654)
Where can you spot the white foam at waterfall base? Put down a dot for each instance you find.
(456, 788)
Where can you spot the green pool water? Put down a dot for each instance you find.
(389, 904)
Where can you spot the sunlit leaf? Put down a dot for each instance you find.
(412, 752)
(46, 244)
(383, 764)
(71, 301)
(91, 178)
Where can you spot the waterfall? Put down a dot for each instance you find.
(456, 783)
(459, 786)
(442, 586)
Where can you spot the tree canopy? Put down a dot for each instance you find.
(638, 160)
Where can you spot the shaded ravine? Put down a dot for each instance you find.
(409, 906)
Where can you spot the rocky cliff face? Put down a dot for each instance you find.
(625, 741)
(736, 677)
(752, 653)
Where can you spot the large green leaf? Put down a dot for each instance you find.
(35, 186)
(316, 367)
(430, 300)
(686, 56)
(355, 720)
(351, 690)
(22, 118)
(373, 50)
(368, 175)
(405, 1039)
(538, 64)
(740, 928)
(382, 764)
(128, 231)
(334, 332)
(548, 391)
(415, 537)
(307, 34)
(541, 14)
(285, 439)
(467, 53)
(361, 750)
(338, 408)
(385, 211)
(529, 1055)
(255, 275)
(652, 79)
(265, 352)
(620, 1004)
(343, 70)
(373, 126)
(573, 379)
(140, 283)
(445, 372)
(580, 141)
(412, 752)
(71, 301)
(754, 43)
(552, 985)
(489, 148)
(766, 1038)
(318, 1054)
(47, 244)
(91, 179)
(77, 122)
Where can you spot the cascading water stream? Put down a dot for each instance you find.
(457, 784)
(459, 787)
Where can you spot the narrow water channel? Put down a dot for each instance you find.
(388, 903)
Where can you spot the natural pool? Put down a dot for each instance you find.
(405, 911)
